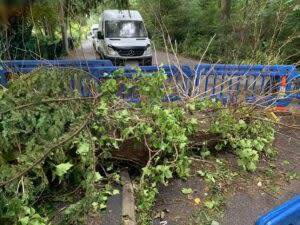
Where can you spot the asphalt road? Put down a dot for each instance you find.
(244, 201)
(86, 52)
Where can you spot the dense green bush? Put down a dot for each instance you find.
(249, 31)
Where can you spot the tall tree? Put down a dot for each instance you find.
(15, 28)
(226, 11)
(64, 29)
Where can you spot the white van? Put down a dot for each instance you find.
(93, 34)
(123, 38)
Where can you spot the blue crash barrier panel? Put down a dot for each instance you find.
(285, 214)
(261, 84)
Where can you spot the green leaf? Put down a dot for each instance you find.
(210, 178)
(186, 191)
(293, 175)
(24, 220)
(98, 177)
(210, 204)
(63, 168)
(95, 205)
(194, 121)
(201, 173)
(148, 130)
(102, 206)
(191, 106)
(83, 149)
(115, 192)
(285, 162)
(242, 123)
(115, 144)
(128, 131)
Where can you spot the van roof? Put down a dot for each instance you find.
(122, 15)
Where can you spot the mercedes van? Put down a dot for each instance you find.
(123, 38)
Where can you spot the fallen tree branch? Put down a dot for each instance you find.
(74, 134)
(71, 136)
(47, 101)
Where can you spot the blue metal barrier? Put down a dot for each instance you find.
(285, 214)
(86, 71)
(18, 66)
(177, 79)
(261, 84)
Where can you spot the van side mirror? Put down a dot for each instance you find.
(100, 35)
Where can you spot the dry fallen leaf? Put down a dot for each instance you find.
(197, 201)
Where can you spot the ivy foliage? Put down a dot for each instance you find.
(53, 140)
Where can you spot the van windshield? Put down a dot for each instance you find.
(125, 29)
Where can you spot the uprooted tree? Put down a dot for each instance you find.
(53, 140)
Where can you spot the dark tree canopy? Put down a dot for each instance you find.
(17, 22)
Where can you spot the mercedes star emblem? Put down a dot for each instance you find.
(131, 52)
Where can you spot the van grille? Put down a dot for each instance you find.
(131, 52)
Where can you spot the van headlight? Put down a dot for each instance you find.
(111, 52)
(148, 51)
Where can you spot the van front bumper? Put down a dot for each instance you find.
(142, 61)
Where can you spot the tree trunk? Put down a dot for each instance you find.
(226, 11)
(15, 32)
(64, 29)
